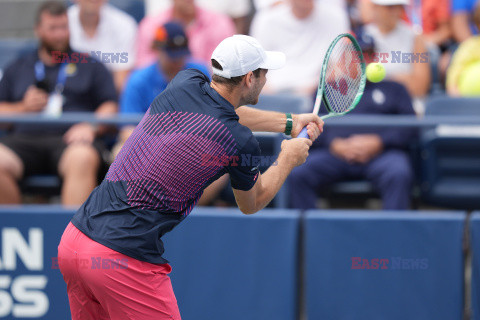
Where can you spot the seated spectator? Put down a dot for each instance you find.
(238, 10)
(106, 32)
(38, 83)
(171, 45)
(303, 30)
(393, 35)
(205, 30)
(463, 26)
(463, 77)
(376, 155)
(428, 17)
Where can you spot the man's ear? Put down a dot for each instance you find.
(249, 79)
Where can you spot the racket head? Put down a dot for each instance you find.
(343, 78)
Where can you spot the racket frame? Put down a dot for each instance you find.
(321, 85)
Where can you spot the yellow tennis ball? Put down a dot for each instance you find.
(375, 72)
(469, 83)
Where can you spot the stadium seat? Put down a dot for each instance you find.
(284, 103)
(451, 157)
(13, 48)
(445, 105)
(48, 185)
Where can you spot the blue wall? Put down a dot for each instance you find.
(230, 266)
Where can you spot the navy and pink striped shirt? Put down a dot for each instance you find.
(189, 137)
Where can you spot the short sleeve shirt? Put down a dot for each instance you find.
(88, 84)
(188, 138)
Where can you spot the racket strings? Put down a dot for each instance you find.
(343, 77)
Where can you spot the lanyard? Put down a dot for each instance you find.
(61, 78)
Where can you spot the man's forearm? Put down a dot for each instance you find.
(272, 180)
(261, 120)
(11, 107)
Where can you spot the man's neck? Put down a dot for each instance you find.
(183, 17)
(386, 29)
(231, 96)
(301, 13)
(45, 56)
(89, 22)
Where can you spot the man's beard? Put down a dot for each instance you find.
(52, 47)
(252, 97)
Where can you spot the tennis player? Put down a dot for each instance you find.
(110, 254)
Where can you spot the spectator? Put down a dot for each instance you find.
(265, 4)
(303, 30)
(390, 35)
(463, 26)
(37, 83)
(428, 17)
(106, 32)
(432, 19)
(171, 45)
(463, 77)
(238, 10)
(205, 30)
(375, 155)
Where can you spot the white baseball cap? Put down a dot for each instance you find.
(241, 54)
(391, 2)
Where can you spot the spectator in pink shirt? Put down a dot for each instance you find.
(205, 30)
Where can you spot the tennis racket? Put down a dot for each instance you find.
(342, 80)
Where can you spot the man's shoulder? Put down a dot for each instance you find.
(24, 59)
(144, 74)
(189, 76)
(198, 66)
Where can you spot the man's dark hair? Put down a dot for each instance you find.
(54, 8)
(233, 81)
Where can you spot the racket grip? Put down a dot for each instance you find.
(303, 133)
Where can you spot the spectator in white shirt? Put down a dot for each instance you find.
(238, 10)
(303, 30)
(105, 32)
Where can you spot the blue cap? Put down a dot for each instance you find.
(172, 39)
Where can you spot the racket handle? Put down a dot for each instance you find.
(303, 133)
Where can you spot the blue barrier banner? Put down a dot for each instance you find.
(384, 265)
(475, 247)
(31, 285)
(230, 266)
(225, 265)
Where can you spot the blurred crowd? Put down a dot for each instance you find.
(93, 57)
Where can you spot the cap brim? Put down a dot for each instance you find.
(274, 60)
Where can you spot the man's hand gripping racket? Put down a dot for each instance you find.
(342, 80)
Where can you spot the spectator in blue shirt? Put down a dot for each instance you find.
(171, 45)
(377, 155)
(462, 19)
(54, 79)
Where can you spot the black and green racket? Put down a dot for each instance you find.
(342, 80)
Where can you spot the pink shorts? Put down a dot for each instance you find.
(105, 284)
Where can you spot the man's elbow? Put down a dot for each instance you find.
(248, 210)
